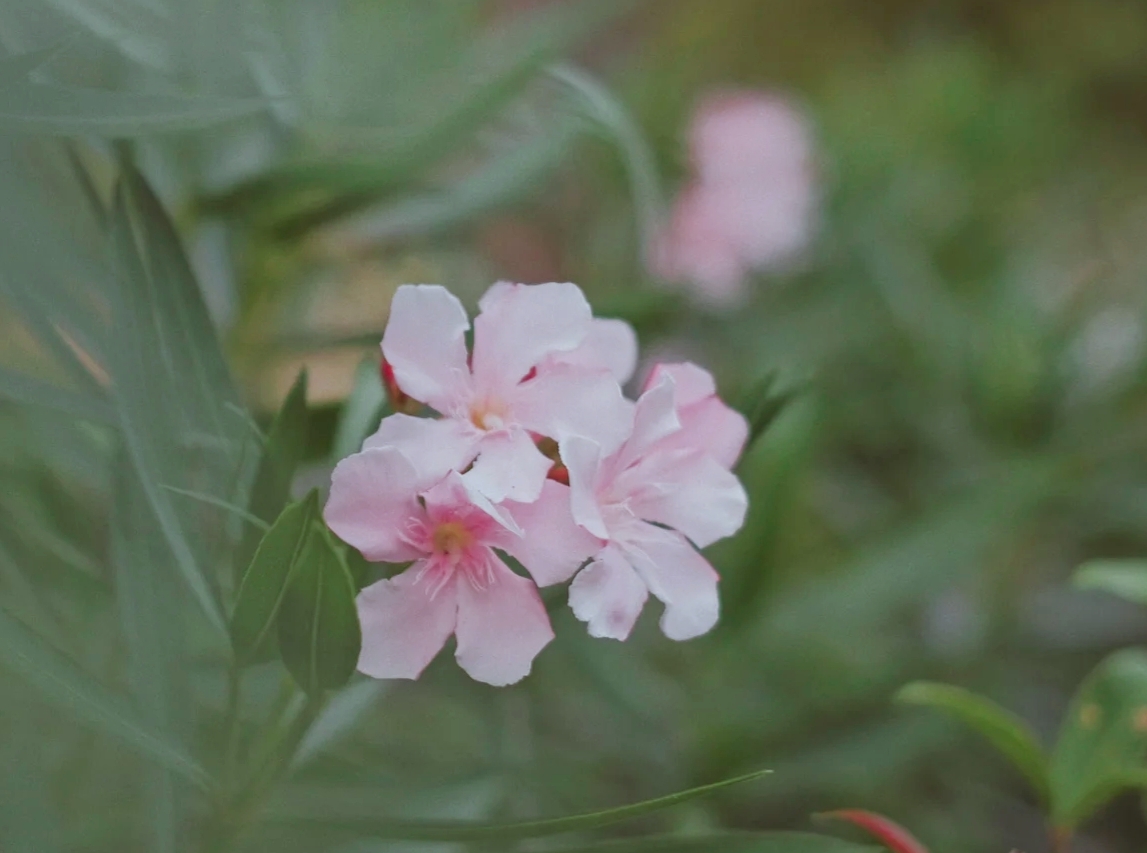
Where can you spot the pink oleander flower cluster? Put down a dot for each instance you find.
(750, 203)
(535, 454)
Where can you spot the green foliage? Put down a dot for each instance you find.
(264, 584)
(1102, 748)
(319, 636)
(61, 682)
(1125, 578)
(283, 450)
(1007, 732)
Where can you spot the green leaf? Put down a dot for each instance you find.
(411, 830)
(14, 69)
(141, 389)
(283, 451)
(265, 581)
(21, 388)
(362, 411)
(1102, 748)
(60, 681)
(319, 636)
(726, 842)
(1007, 732)
(63, 111)
(1125, 578)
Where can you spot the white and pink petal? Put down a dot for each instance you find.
(373, 499)
(552, 546)
(425, 345)
(679, 577)
(608, 595)
(406, 621)
(502, 624)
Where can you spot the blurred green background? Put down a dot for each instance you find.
(961, 354)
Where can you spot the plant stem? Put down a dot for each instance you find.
(233, 816)
(1061, 839)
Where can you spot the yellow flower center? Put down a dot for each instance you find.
(451, 538)
(488, 414)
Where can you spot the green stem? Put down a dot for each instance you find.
(231, 725)
(268, 765)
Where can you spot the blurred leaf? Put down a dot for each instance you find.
(28, 390)
(761, 405)
(1007, 732)
(71, 689)
(502, 180)
(725, 842)
(362, 411)
(52, 109)
(339, 718)
(14, 69)
(265, 582)
(611, 114)
(891, 834)
(283, 451)
(140, 391)
(150, 616)
(1102, 747)
(410, 830)
(1125, 578)
(319, 636)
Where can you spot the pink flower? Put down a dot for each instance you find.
(524, 379)
(457, 584)
(751, 203)
(647, 501)
(707, 423)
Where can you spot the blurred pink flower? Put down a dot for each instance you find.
(647, 501)
(514, 386)
(381, 505)
(751, 202)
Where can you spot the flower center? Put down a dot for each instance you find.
(488, 414)
(451, 538)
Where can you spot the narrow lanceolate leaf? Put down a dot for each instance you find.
(265, 582)
(725, 842)
(1125, 578)
(282, 453)
(27, 390)
(61, 682)
(142, 390)
(1102, 747)
(319, 636)
(1007, 732)
(64, 111)
(447, 831)
(891, 834)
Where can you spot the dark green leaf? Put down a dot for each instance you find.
(265, 581)
(60, 681)
(319, 635)
(763, 403)
(410, 830)
(1007, 732)
(1125, 578)
(1102, 747)
(59, 110)
(286, 443)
